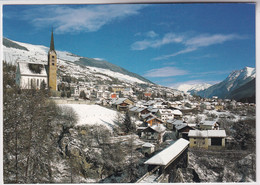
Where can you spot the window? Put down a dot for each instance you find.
(52, 56)
(216, 141)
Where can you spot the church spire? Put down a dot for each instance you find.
(52, 42)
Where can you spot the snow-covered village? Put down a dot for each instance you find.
(73, 119)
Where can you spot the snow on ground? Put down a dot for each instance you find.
(93, 115)
(120, 76)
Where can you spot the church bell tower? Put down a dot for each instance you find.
(52, 66)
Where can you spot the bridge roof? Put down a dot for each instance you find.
(167, 155)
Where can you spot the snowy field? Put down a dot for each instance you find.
(93, 115)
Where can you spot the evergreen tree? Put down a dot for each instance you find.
(82, 95)
(128, 126)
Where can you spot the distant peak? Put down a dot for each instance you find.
(249, 68)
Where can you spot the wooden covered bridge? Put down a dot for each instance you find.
(163, 166)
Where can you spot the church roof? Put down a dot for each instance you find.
(27, 69)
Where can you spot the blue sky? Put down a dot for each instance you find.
(169, 44)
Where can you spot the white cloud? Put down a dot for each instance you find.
(186, 50)
(207, 40)
(76, 19)
(165, 72)
(151, 34)
(194, 43)
(155, 43)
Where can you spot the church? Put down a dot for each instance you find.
(36, 75)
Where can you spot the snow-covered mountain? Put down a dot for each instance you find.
(190, 88)
(235, 80)
(69, 64)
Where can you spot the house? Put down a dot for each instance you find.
(103, 94)
(171, 124)
(102, 87)
(172, 105)
(154, 133)
(148, 149)
(182, 131)
(159, 105)
(209, 125)
(128, 91)
(139, 111)
(117, 88)
(177, 114)
(206, 105)
(219, 107)
(165, 114)
(147, 94)
(154, 121)
(207, 138)
(146, 117)
(122, 104)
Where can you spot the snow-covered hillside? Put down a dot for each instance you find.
(193, 87)
(93, 115)
(66, 62)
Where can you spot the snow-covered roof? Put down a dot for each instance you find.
(158, 128)
(198, 133)
(168, 154)
(165, 111)
(119, 101)
(154, 110)
(217, 133)
(25, 70)
(175, 121)
(207, 133)
(192, 124)
(181, 126)
(144, 116)
(208, 123)
(148, 145)
(141, 128)
(177, 112)
(140, 109)
(134, 109)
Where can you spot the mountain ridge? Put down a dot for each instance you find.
(234, 80)
(193, 88)
(39, 53)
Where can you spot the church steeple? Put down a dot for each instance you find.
(52, 66)
(52, 42)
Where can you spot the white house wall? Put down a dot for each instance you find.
(25, 81)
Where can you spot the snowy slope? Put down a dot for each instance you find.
(66, 61)
(93, 115)
(193, 87)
